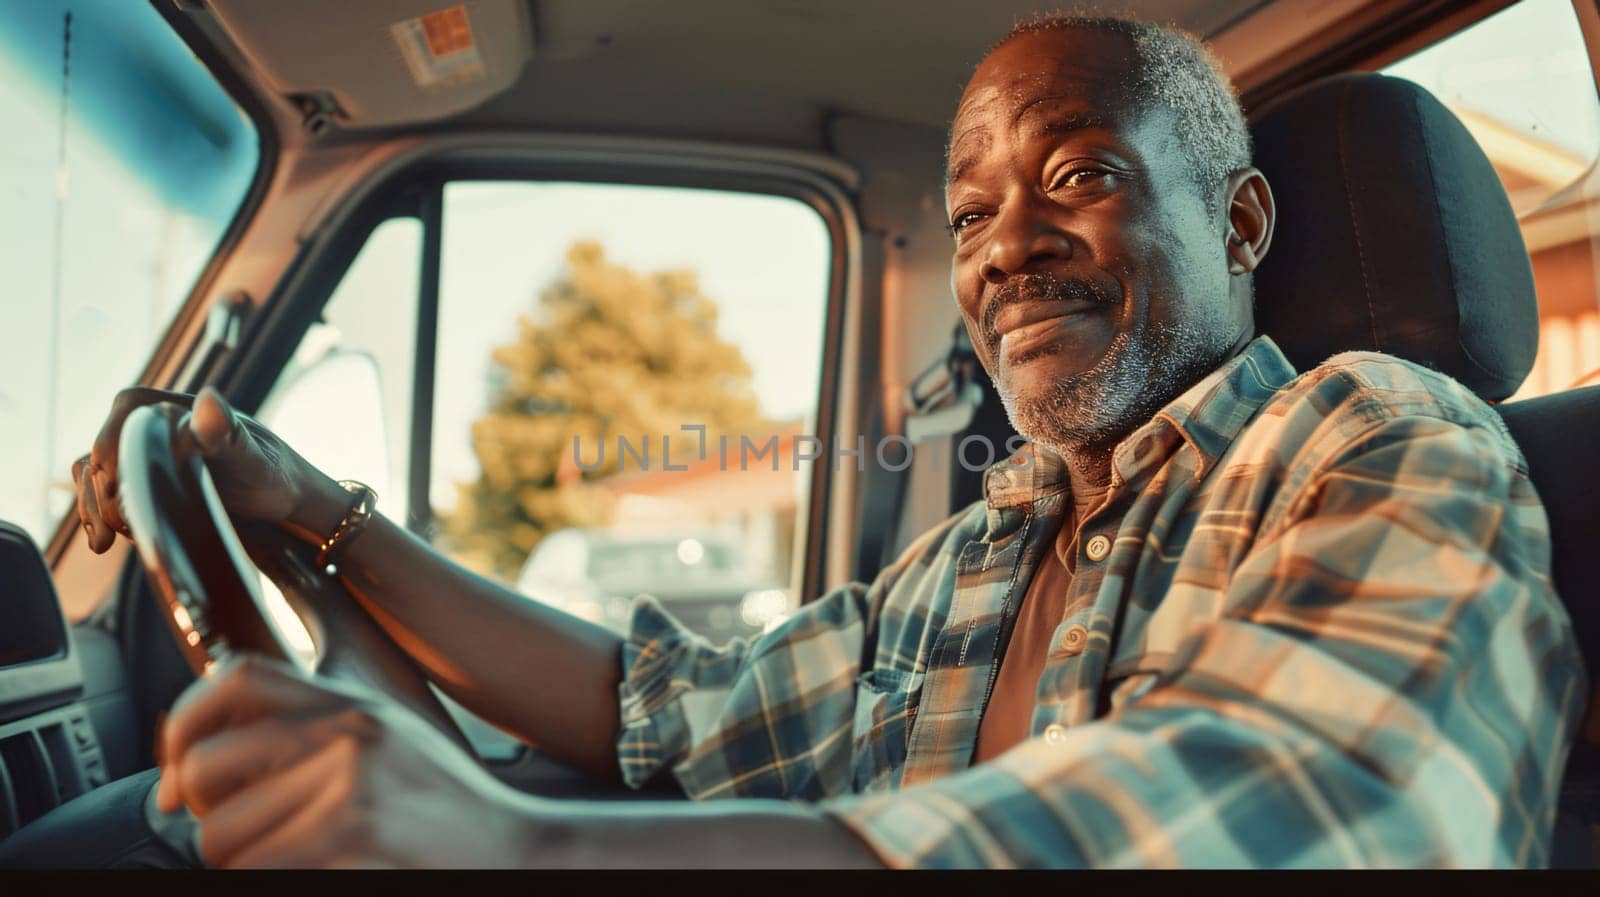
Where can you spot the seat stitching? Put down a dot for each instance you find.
(1433, 179)
(1355, 225)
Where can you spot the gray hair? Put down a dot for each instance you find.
(1175, 70)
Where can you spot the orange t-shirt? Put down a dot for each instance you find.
(1006, 720)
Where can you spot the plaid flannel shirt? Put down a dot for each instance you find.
(1324, 635)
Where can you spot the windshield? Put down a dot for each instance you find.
(123, 163)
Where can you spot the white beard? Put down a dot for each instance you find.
(1141, 371)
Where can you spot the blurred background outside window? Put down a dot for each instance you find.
(1521, 81)
(595, 313)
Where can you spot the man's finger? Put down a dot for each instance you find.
(216, 768)
(213, 421)
(106, 501)
(270, 822)
(98, 534)
(103, 454)
(80, 501)
(240, 692)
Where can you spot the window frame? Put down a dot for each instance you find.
(1369, 48)
(411, 185)
(1375, 58)
(1390, 40)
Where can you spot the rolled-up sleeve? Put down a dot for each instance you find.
(1389, 681)
(767, 717)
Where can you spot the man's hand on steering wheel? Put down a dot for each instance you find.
(359, 764)
(257, 475)
(288, 770)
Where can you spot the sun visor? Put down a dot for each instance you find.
(383, 64)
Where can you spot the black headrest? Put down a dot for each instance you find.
(1393, 234)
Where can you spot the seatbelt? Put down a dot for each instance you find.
(940, 406)
(989, 420)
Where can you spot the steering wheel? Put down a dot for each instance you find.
(206, 578)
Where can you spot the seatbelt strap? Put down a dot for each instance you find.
(939, 407)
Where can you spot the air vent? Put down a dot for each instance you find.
(33, 782)
(60, 750)
(8, 807)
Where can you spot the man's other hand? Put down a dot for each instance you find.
(286, 770)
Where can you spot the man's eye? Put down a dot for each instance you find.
(964, 220)
(1078, 178)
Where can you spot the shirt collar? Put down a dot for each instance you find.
(1208, 415)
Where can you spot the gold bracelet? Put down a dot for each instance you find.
(355, 520)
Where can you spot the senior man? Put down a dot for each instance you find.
(1217, 612)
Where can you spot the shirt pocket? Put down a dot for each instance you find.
(886, 705)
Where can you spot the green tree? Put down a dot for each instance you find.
(608, 353)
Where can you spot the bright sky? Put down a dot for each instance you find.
(1526, 66)
(128, 256)
(764, 259)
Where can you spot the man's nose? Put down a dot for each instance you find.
(1020, 238)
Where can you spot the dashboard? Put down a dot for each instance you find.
(50, 750)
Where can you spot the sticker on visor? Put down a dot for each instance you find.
(439, 49)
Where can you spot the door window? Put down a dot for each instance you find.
(624, 376)
(637, 317)
(1521, 82)
(625, 382)
(344, 400)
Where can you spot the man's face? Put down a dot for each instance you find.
(1090, 272)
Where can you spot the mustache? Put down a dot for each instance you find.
(1039, 288)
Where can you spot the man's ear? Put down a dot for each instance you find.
(1251, 218)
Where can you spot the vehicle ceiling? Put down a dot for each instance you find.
(733, 64)
(764, 71)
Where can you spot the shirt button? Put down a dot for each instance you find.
(1055, 733)
(1075, 639)
(1097, 548)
